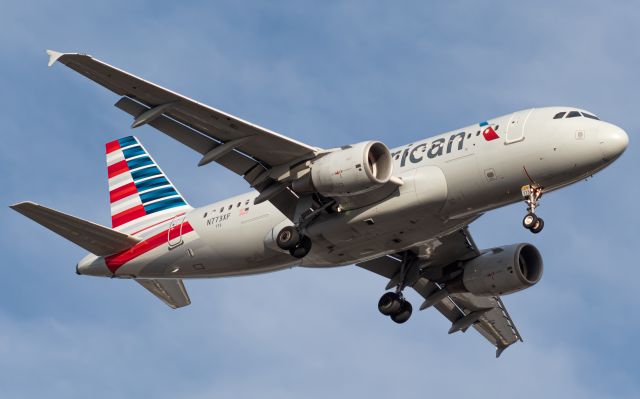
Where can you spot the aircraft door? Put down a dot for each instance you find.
(515, 129)
(174, 234)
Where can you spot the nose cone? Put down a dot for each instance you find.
(613, 142)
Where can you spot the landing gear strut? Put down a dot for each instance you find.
(393, 304)
(290, 239)
(532, 194)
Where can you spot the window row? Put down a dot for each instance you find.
(228, 208)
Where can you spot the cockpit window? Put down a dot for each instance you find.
(590, 116)
(573, 114)
(559, 115)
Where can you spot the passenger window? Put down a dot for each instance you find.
(222, 209)
(559, 115)
(239, 203)
(205, 215)
(590, 116)
(230, 206)
(573, 114)
(246, 202)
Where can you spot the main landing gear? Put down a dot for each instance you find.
(532, 194)
(290, 239)
(393, 304)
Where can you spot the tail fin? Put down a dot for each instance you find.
(139, 192)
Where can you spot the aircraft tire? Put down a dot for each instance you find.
(404, 314)
(538, 226)
(303, 248)
(288, 238)
(529, 220)
(389, 303)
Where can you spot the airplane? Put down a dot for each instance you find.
(402, 213)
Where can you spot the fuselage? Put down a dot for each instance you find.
(448, 181)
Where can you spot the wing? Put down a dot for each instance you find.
(171, 292)
(487, 315)
(263, 157)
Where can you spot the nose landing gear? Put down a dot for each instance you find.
(532, 194)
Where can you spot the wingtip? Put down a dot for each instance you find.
(53, 56)
(499, 350)
(18, 205)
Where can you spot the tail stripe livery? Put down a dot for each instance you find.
(137, 186)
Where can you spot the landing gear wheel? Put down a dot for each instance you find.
(288, 238)
(538, 226)
(390, 303)
(404, 314)
(529, 221)
(303, 248)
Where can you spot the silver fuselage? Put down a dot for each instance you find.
(448, 181)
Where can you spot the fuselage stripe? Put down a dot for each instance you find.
(115, 261)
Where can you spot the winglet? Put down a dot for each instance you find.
(53, 56)
(499, 350)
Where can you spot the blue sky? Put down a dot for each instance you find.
(328, 75)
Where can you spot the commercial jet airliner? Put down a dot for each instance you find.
(402, 213)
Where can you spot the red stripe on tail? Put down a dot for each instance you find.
(112, 146)
(117, 168)
(127, 216)
(122, 192)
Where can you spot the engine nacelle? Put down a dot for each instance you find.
(503, 270)
(353, 169)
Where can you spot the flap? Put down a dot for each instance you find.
(171, 292)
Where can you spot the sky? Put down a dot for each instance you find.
(328, 74)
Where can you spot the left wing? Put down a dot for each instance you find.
(262, 156)
(487, 315)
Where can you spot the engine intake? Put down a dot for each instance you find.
(503, 270)
(351, 170)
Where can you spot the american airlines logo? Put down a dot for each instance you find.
(489, 133)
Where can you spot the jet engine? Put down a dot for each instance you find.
(503, 270)
(353, 169)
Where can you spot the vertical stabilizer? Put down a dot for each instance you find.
(139, 192)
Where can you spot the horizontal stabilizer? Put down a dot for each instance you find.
(171, 292)
(93, 237)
